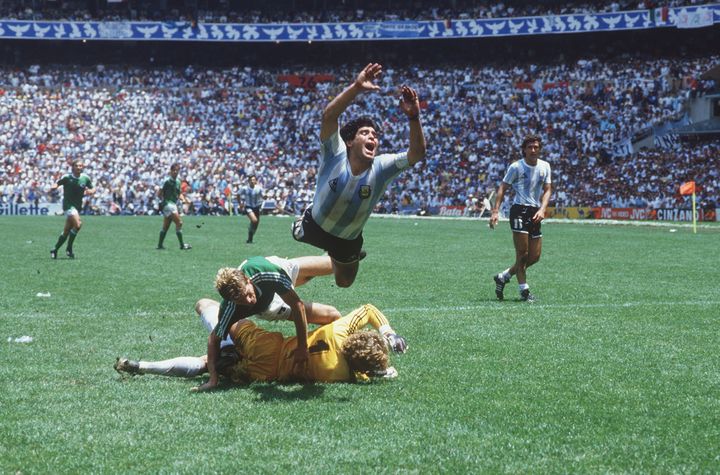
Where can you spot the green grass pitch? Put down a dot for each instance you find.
(615, 369)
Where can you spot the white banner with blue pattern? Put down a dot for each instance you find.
(678, 17)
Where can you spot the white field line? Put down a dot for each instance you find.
(589, 222)
(494, 305)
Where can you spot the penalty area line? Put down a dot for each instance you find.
(700, 303)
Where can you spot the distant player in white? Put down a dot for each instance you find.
(530, 178)
(251, 200)
(351, 178)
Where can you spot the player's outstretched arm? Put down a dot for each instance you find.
(213, 354)
(410, 105)
(298, 315)
(369, 314)
(365, 81)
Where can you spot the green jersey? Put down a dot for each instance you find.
(171, 191)
(268, 279)
(74, 190)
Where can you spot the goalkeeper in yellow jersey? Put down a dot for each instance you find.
(341, 351)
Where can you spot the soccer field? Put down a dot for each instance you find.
(615, 369)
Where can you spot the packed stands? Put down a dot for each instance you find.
(129, 124)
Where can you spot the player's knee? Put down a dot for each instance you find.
(202, 304)
(370, 308)
(334, 314)
(344, 281)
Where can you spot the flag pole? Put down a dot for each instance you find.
(694, 213)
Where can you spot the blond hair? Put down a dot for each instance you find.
(231, 283)
(365, 352)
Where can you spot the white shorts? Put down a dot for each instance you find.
(209, 319)
(71, 212)
(278, 310)
(170, 209)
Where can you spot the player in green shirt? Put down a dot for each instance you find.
(75, 186)
(170, 197)
(265, 287)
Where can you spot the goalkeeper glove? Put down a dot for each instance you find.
(396, 343)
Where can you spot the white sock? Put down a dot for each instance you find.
(523, 287)
(183, 366)
(505, 275)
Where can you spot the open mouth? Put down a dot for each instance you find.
(370, 147)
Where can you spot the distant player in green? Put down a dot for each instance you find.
(75, 186)
(170, 197)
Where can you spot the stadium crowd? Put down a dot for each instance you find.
(129, 125)
(313, 12)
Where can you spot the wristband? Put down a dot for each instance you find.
(416, 117)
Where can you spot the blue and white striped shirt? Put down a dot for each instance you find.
(343, 202)
(528, 181)
(253, 197)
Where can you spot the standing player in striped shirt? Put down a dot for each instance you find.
(75, 186)
(352, 177)
(251, 200)
(530, 178)
(170, 197)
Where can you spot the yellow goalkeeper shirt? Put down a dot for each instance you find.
(267, 356)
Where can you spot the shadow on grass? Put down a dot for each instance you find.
(274, 392)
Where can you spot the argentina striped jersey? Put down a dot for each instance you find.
(528, 181)
(253, 197)
(343, 202)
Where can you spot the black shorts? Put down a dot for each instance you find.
(521, 221)
(254, 209)
(344, 251)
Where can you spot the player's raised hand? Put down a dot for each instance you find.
(365, 81)
(409, 102)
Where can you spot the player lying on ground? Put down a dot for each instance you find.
(339, 352)
(266, 287)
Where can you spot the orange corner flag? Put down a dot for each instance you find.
(687, 188)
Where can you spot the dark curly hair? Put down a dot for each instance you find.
(349, 130)
(530, 139)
